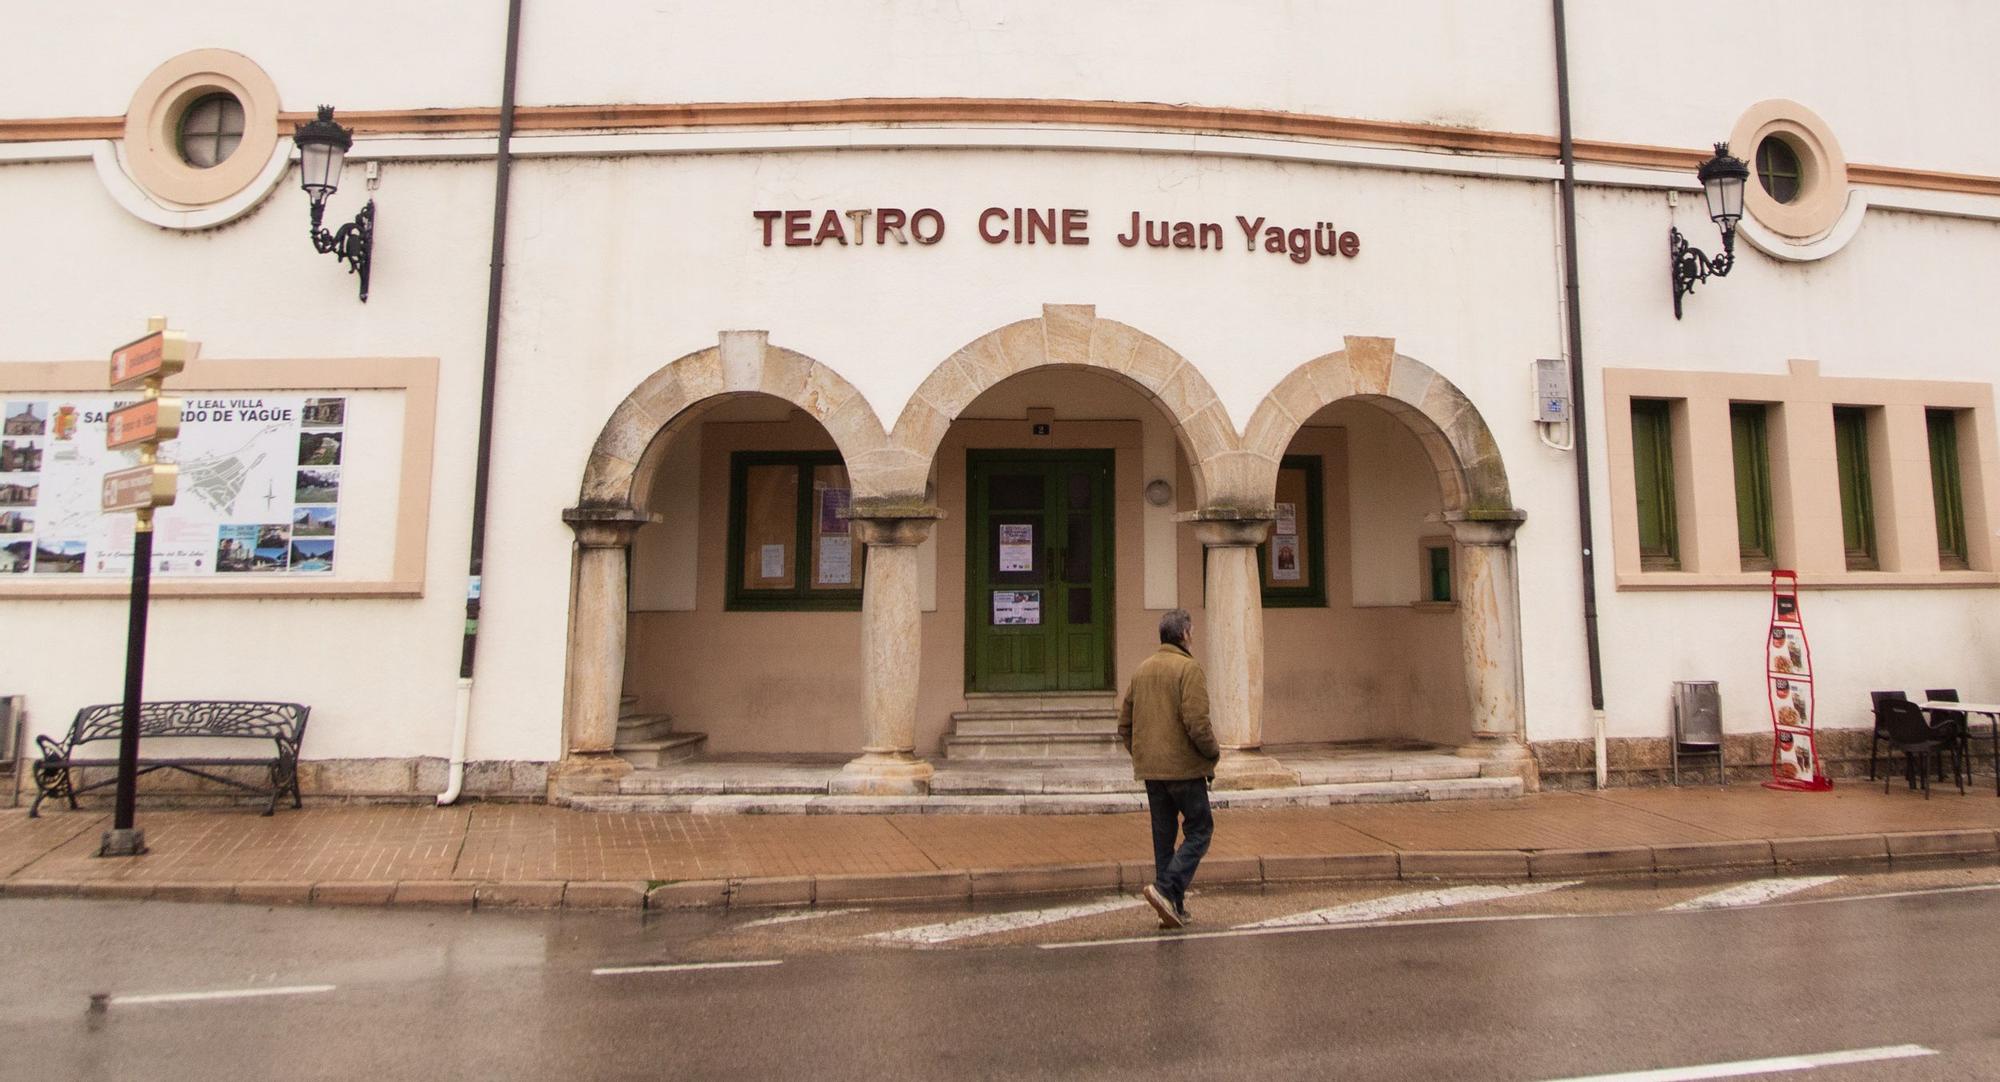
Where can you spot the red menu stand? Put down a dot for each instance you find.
(1789, 692)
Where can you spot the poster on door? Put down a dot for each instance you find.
(1017, 546)
(1788, 679)
(1017, 608)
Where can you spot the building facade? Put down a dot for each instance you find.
(856, 377)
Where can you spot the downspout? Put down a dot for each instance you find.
(1573, 325)
(482, 470)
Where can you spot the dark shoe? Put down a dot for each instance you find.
(1157, 898)
(1185, 916)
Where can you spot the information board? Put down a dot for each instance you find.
(259, 486)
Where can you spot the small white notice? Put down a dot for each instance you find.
(1288, 520)
(836, 560)
(1017, 608)
(771, 562)
(1285, 559)
(1017, 546)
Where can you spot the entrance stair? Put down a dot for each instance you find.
(1079, 728)
(648, 741)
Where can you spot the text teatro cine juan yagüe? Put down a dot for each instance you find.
(879, 226)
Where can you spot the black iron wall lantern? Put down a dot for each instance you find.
(1722, 179)
(323, 147)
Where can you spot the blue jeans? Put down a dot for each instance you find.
(1178, 807)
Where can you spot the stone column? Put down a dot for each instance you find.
(594, 678)
(1234, 642)
(891, 654)
(1489, 606)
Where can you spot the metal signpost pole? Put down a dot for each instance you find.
(142, 425)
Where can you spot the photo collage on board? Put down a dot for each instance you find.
(24, 428)
(306, 543)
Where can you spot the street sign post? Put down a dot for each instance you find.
(142, 364)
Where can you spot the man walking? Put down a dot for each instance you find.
(1164, 724)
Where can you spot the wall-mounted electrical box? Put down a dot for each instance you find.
(1551, 392)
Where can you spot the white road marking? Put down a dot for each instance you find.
(804, 914)
(678, 967)
(1773, 1065)
(226, 993)
(1489, 918)
(1003, 922)
(1397, 904)
(1755, 892)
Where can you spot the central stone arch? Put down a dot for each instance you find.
(1072, 335)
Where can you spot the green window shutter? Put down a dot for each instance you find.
(1653, 481)
(1753, 487)
(1857, 498)
(1946, 495)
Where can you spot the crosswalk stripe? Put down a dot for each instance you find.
(1773, 1065)
(228, 993)
(1753, 893)
(804, 914)
(1398, 904)
(991, 923)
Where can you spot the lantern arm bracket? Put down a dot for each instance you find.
(353, 243)
(1691, 265)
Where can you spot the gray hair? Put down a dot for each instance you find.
(1174, 626)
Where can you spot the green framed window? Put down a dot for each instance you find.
(1946, 495)
(1754, 548)
(790, 544)
(1436, 567)
(1857, 493)
(1653, 483)
(1291, 563)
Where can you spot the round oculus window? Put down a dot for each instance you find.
(1778, 168)
(210, 130)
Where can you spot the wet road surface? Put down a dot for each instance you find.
(1384, 980)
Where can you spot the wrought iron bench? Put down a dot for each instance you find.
(284, 724)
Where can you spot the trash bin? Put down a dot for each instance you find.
(1698, 725)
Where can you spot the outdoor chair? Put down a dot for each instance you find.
(1954, 721)
(1876, 699)
(1908, 732)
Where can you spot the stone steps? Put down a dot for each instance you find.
(648, 741)
(738, 802)
(1012, 728)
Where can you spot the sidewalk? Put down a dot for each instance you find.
(534, 855)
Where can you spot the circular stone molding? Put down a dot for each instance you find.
(152, 128)
(1823, 190)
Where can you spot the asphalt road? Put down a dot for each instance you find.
(1413, 982)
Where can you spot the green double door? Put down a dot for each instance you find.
(1038, 571)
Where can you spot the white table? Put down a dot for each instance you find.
(1991, 710)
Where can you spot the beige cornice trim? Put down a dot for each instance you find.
(479, 120)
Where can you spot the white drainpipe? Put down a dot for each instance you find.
(461, 725)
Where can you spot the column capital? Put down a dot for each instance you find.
(888, 521)
(1227, 527)
(1484, 527)
(605, 527)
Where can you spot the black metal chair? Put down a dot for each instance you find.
(1876, 699)
(1954, 722)
(1910, 733)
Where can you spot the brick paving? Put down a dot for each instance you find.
(520, 843)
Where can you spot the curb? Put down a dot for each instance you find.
(1773, 855)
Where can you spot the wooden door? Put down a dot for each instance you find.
(1038, 571)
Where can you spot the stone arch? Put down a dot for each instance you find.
(1071, 335)
(1471, 476)
(619, 471)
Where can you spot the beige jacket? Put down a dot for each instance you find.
(1164, 722)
